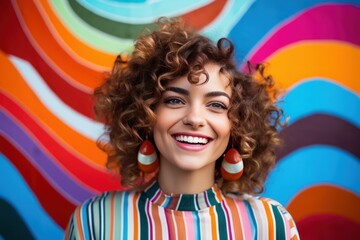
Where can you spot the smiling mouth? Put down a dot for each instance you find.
(191, 139)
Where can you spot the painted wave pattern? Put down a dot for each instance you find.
(56, 52)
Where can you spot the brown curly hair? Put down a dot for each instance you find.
(127, 99)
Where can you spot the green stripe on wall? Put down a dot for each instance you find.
(118, 29)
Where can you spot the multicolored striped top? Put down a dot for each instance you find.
(154, 215)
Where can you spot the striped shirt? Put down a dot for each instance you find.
(151, 214)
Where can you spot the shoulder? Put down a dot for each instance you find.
(107, 201)
(89, 218)
(267, 215)
(107, 198)
(256, 202)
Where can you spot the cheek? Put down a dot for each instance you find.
(160, 118)
(158, 137)
(163, 121)
(223, 126)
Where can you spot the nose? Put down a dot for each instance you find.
(194, 117)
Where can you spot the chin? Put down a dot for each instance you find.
(192, 165)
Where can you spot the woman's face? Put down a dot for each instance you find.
(193, 129)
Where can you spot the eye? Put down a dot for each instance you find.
(173, 101)
(217, 106)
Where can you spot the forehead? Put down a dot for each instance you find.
(216, 80)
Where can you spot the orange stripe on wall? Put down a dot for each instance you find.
(19, 90)
(52, 51)
(203, 16)
(340, 67)
(325, 199)
(92, 56)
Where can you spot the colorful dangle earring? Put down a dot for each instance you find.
(232, 166)
(147, 158)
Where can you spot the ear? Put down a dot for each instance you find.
(230, 142)
(150, 132)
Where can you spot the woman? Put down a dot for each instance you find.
(193, 139)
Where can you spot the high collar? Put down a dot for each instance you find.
(184, 202)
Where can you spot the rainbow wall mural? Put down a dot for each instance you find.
(53, 53)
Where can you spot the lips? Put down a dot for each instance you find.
(191, 139)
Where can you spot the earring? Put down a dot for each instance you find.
(232, 166)
(147, 158)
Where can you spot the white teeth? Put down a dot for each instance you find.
(191, 139)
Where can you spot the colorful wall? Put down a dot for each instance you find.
(53, 53)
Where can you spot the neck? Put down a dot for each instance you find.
(179, 181)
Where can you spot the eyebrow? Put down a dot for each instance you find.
(186, 92)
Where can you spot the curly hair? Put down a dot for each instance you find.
(131, 91)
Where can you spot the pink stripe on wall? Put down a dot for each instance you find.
(339, 20)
